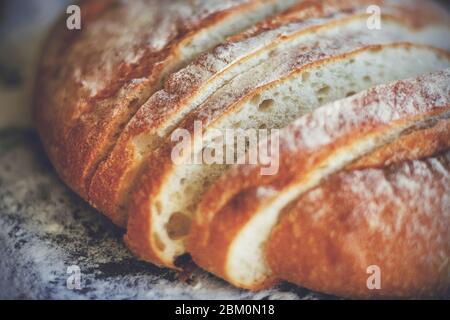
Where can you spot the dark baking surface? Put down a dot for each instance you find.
(45, 228)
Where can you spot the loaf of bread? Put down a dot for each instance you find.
(194, 85)
(237, 215)
(92, 82)
(355, 105)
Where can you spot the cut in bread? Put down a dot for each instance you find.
(166, 199)
(236, 216)
(186, 90)
(92, 81)
(421, 144)
(370, 233)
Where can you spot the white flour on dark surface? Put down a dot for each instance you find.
(45, 228)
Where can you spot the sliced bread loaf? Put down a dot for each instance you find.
(165, 201)
(236, 216)
(92, 81)
(186, 90)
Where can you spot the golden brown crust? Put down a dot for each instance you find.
(110, 187)
(303, 11)
(111, 183)
(238, 196)
(159, 166)
(394, 218)
(416, 145)
(228, 221)
(233, 181)
(143, 242)
(312, 9)
(92, 81)
(55, 97)
(140, 238)
(211, 237)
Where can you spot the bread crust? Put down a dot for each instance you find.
(142, 241)
(91, 84)
(139, 237)
(420, 144)
(160, 166)
(113, 182)
(238, 196)
(372, 217)
(309, 9)
(58, 100)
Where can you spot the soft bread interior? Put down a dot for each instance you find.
(289, 99)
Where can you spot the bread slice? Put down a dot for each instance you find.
(394, 219)
(166, 199)
(237, 215)
(186, 90)
(92, 81)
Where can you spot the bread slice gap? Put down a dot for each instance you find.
(169, 192)
(236, 217)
